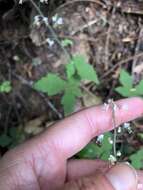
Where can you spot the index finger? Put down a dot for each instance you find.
(71, 134)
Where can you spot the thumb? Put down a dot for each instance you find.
(119, 177)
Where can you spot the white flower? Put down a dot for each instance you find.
(37, 19)
(44, 1)
(57, 20)
(55, 17)
(119, 153)
(45, 20)
(20, 2)
(119, 130)
(50, 42)
(100, 138)
(110, 140)
(112, 159)
(127, 126)
(16, 58)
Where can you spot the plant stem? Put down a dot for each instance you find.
(113, 107)
(51, 30)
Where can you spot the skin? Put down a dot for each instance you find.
(43, 162)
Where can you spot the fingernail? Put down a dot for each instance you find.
(123, 177)
(140, 186)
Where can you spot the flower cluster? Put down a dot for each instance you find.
(44, 1)
(41, 1)
(20, 2)
(40, 20)
(57, 20)
(100, 138)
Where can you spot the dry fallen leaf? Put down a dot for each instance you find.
(89, 100)
(34, 126)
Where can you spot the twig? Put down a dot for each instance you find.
(121, 63)
(81, 28)
(137, 50)
(88, 91)
(108, 40)
(78, 1)
(48, 102)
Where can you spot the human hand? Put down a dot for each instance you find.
(42, 163)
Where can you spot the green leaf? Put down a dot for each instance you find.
(72, 90)
(125, 79)
(85, 70)
(125, 92)
(139, 88)
(72, 87)
(5, 87)
(70, 69)
(51, 84)
(137, 159)
(67, 42)
(106, 147)
(140, 135)
(93, 150)
(5, 140)
(68, 102)
(13, 132)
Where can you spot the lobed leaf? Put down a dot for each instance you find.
(68, 102)
(125, 79)
(70, 70)
(85, 70)
(137, 159)
(139, 88)
(51, 84)
(93, 150)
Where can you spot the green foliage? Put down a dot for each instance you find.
(85, 71)
(76, 71)
(137, 159)
(5, 87)
(140, 135)
(68, 102)
(5, 140)
(51, 84)
(11, 139)
(70, 70)
(93, 150)
(125, 79)
(67, 42)
(128, 89)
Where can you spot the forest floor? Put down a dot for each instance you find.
(108, 33)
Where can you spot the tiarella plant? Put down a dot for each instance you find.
(127, 89)
(77, 70)
(5, 87)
